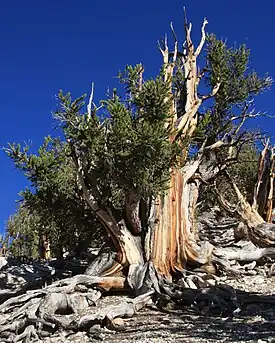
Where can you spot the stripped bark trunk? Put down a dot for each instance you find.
(174, 241)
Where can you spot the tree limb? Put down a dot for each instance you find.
(200, 46)
(89, 106)
(260, 175)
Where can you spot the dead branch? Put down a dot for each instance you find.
(261, 169)
(263, 235)
(200, 46)
(222, 201)
(89, 106)
(213, 92)
(188, 28)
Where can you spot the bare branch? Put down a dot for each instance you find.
(222, 201)
(185, 15)
(184, 122)
(176, 43)
(173, 32)
(164, 50)
(213, 93)
(89, 106)
(140, 78)
(243, 116)
(188, 28)
(201, 74)
(244, 210)
(260, 174)
(200, 46)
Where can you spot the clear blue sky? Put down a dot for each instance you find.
(53, 44)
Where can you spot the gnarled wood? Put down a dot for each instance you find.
(174, 242)
(124, 309)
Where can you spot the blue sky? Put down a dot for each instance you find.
(48, 45)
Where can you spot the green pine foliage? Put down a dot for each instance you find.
(54, 198)
(239, 85)
(23, 231)
(130, 149)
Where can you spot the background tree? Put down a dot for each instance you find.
(23, 232)
(54, 200)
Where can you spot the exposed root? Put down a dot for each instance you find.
(124, 309)
(56, 306)
(63, 305)
(69, 305)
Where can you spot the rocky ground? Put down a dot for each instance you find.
(254, 320)
(254, 323)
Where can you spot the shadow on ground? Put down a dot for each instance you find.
(254, 323)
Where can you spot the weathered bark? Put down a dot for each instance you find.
(173, 241)
(69, 304)
(262, 205)
(124, 309)
(263, 235)
(49, 305)
(243, 210)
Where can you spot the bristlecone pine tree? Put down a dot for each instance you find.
(140, 168)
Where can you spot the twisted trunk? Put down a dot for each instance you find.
(170, 240)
